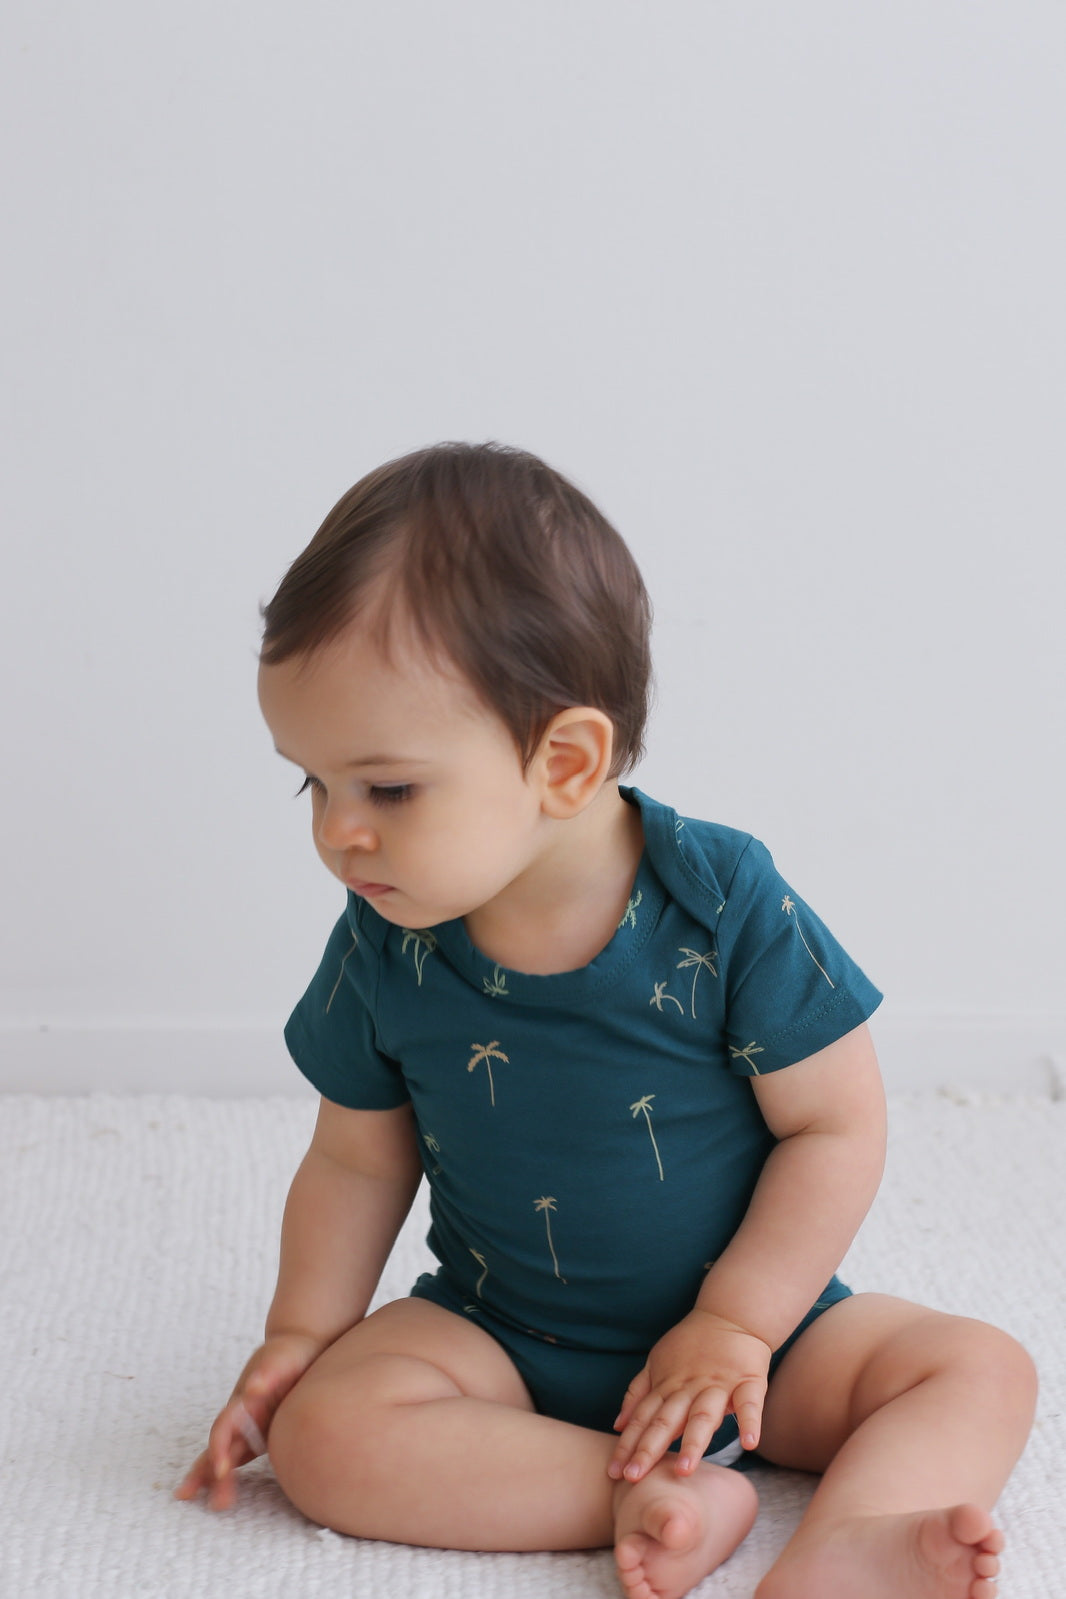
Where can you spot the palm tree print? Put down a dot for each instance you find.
(434, 1149)
(487, 1053)
(630, 917)
(660, 994)
(340, 974)
(496, 985)
(788, 905)
(699, 962)
(424, 944)
(484, 1272)
(645, 1106)
(546, 1204)
(746, 1053)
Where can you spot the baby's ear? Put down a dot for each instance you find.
(573, 759)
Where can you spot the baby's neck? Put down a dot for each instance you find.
(561, 916)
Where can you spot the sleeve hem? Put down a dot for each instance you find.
(331, 1084)
(834, 1020)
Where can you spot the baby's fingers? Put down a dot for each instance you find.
(747, 1407)
(221, 1492)
(199, 1475)
(635, 1394)
(234, 1439)
(704, 1419)
(248, 1428)
(655, 1423)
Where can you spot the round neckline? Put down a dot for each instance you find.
(646, 900)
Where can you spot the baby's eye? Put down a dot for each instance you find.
(389, 793)
(309, 782)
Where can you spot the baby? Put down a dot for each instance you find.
(634, 1068)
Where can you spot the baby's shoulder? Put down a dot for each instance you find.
(698, 860)
(712, 847)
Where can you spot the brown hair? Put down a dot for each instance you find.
(503, 567)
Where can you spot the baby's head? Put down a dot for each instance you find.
(502, 570)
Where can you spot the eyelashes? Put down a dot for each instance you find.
(380, 794)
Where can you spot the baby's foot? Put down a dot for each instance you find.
(670, 1531)
(936, 1554)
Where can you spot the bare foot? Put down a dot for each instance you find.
(670, 1531)
(935, 1554)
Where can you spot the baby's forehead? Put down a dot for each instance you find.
(381, 657)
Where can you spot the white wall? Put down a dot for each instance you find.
(780, 285)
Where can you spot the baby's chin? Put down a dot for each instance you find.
(392, 905)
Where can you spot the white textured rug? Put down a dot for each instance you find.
(138, 1252)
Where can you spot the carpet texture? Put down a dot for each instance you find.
(138, 1253)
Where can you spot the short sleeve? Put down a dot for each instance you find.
(791, 989)
(331, 1035)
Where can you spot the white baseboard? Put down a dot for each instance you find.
(1020, 1054)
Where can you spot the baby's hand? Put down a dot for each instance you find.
(241, 1427)
(700, 1371)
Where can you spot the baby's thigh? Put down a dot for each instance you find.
(413, 1350)
(352, 1421)
(867, 1351)
(846, 1364)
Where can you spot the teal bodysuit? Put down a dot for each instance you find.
(590, 1139)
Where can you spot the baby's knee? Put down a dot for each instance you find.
(306, 1436)
(292, 1441)
(983, 1364)
(996, 1360)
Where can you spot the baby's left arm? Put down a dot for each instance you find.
(828, 1115)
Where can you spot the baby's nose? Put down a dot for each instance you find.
(342, 827)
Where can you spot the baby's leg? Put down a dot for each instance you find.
(416, 1427)
(916, 1420)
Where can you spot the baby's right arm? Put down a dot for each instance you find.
(346, 1205)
